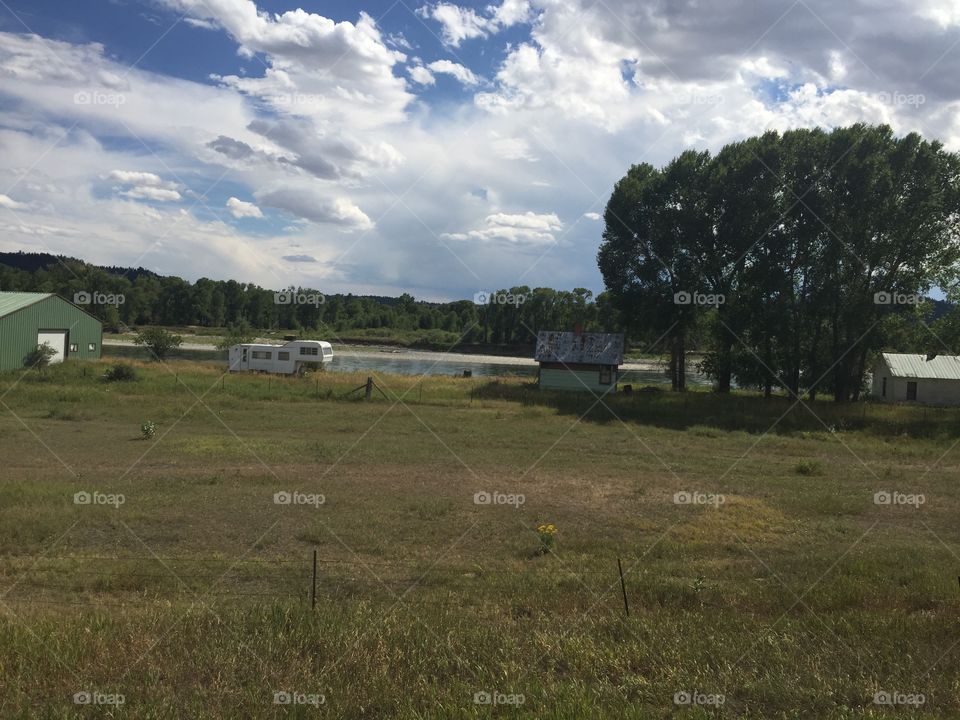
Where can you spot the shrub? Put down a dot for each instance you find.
(39, 357)
(120, 372)
(158, 341)
(148, 429)
(808, 467)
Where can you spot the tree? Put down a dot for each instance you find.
(159, 342)
(40, 357)
(237, 334)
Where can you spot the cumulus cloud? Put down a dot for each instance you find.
(8, 202)
(240, 209)
(421, 75)
(458, 71)
(312, 206)
(149, 192)
(522, 228)
(460, 23)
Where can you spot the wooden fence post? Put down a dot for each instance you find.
(623, 588)
(369, 389)
(313, 586)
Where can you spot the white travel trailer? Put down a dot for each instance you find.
(292, 358)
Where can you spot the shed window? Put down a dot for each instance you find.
(606, 375)
(883, 387)
(74, 347)
(283, 355)
(91, 347)
(911, 391)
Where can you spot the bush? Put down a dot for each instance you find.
(157, 341)
(809, 467)
(39, 357)
(120, 372)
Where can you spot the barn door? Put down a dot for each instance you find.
(57, 339)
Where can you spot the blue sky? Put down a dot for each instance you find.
(432, 148)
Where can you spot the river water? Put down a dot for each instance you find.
(414, 362)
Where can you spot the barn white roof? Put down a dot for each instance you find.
(942, 367)
(590, 348)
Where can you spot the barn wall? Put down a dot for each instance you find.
(18, 331)
(574, 379)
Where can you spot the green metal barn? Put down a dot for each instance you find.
(31, 319)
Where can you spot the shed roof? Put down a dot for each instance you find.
(568, 347)
(941, 367)
(10, 302)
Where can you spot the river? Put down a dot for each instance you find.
(413, 362)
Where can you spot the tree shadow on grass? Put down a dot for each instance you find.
(745, 411)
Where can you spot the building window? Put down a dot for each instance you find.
(282, 355)
(883, 387)
(911, 391)
(606, 375)
(91, 347)
(74, 347)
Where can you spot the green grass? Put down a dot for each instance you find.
(795, 595)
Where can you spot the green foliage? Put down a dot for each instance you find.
(120, 372)
(237, 333)
(158, 341)
(39, 358)
(820, 243)
(148, 429)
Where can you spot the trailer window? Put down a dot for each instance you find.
(308, 350)
(283, 355)
(262, 355)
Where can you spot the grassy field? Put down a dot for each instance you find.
(765, 576)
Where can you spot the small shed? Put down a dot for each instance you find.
(291, 358)
(579, 361)
(29, 319)
(927, 379)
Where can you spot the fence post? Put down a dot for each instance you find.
(313, 586)
(623, 589)
(369, 389)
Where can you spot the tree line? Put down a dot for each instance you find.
(507, 317)
(789, 260)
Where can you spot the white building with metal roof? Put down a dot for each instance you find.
(579, 361)
(932, 380)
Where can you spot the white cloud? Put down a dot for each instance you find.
(591, 215)
(240, 209)
(8, 202)
(149, 192)
(524, 228)
(459, 23)
(461, 73)
(421, 75)
(309, 205)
